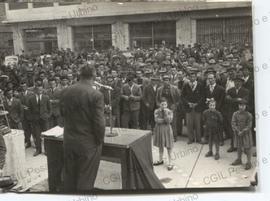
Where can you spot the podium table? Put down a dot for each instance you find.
(131, 148)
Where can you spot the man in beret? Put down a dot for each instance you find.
(131, 94)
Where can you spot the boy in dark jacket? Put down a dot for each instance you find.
(212, 121)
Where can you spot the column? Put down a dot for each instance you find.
(18, 39)
(193, 31)
(120, 35)
(6, 7)
(30, 5)
(64, 36)
(70, 37)
(184, 31)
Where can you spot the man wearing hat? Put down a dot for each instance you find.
(149, 102)
(193, 100)
(230, 79)
(141, 80)
(148, 73)
(161, 73)
(131, 95)
(64, 82)
(231, 106)
(172, 94)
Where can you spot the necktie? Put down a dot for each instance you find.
(38, 101)
(192, 86)
(211, 88)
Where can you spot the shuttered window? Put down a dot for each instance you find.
(149, 34)
(229, 30)
(92, 37)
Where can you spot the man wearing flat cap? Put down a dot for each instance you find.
(231, 106)
(149, 102)
(64, 82)
(172, 94)
(131, 94)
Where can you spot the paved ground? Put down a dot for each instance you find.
(191, 169)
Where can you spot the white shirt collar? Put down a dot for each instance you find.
(194, 85)
(246, 78)
(213, 85)
(38, 96)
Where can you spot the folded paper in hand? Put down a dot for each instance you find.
(54, 132)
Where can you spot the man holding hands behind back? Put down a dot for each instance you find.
(84, 126)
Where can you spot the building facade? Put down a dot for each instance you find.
(6, 42)
(42, 27)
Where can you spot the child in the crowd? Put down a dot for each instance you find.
(242, 125)
(212, 121)
(163, 133)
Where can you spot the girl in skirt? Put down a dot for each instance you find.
(163, 134)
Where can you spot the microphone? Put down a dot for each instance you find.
(102, 85)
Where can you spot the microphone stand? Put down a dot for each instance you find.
(111, 133)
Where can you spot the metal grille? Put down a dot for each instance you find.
(148, 34)
(228, 30)
(94, 37)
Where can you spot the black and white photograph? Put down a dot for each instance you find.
(126, 95)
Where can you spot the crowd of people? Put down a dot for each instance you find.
(208, 89)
